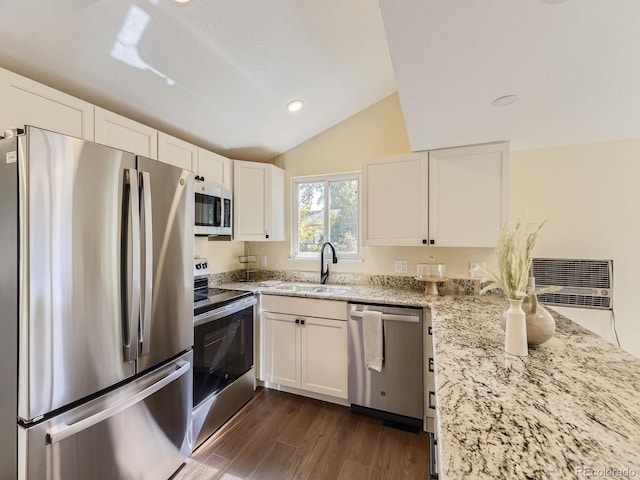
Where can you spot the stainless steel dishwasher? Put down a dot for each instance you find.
(396, 393)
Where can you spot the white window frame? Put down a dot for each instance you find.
(295, 207)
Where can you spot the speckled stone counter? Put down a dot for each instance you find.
(571, 409)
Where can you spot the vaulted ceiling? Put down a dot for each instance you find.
(220, 73)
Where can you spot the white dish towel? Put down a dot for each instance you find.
(372, 333)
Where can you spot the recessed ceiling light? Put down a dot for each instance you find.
(182, 1)
(504, 101)
(294, 105)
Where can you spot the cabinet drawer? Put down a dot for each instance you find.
(308, 307)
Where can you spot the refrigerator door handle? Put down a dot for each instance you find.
(57, 435)
(133, 249)
(145, 181)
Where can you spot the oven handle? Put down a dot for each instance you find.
(224, 311)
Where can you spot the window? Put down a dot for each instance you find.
(326, 209)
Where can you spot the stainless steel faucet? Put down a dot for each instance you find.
(325, 273)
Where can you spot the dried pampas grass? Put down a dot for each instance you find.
(513, 250)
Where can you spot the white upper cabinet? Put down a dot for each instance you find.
(395, 208)
(214, 169)
(258, 202)
(25, 102)
(177, 152)
(120, 132)
(468, 189)
(454, 197)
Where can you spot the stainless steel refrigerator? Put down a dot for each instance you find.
(96, 311)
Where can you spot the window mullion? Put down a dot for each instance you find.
(326, 211)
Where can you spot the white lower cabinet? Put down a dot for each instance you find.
(305, 350)
(281, 349)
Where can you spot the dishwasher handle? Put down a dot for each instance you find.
(390, 317)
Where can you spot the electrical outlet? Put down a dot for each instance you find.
(473, 265)
(263, 261)
(400, 266)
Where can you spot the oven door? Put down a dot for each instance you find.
(223, 347)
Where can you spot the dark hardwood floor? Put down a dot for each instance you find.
(282, 436)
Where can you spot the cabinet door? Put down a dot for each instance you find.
(468, 189)
(280, 349)
(177, 152)
(258, 202)
(395, 200)
(120, 132)
(249, 201)
(216, 169)
(275, 205)
(324, 356)
(25, 102)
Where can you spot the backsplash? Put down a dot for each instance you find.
(451, 286)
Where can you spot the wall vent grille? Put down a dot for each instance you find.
(578, 283)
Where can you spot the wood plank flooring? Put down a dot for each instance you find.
(282, 436)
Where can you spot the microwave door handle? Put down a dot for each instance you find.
(211, 218)
(217, 221)
(131, 240)
(227, 212)
(148, 263)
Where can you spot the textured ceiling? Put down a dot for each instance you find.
(216, 73)
(574, 65)
(219, 73)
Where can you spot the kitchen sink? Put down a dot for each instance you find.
(311, 288)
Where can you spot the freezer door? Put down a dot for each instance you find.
(74, 312)
(167, 213)
(141, 431)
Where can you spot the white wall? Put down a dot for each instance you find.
(222, 255)
(590, 198)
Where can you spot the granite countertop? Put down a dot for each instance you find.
(570, 409)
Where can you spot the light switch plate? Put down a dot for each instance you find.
(263, 261)
(400, 266)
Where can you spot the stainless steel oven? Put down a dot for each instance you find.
(223, 371)
(223, 345)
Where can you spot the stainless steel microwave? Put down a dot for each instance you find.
(213, 211)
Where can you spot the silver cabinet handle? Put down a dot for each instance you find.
(133, 252)
(148, 262)
(58, 435)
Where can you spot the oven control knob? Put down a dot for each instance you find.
(204, 265)
(198, 266)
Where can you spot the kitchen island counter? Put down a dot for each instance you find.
(568, 410)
